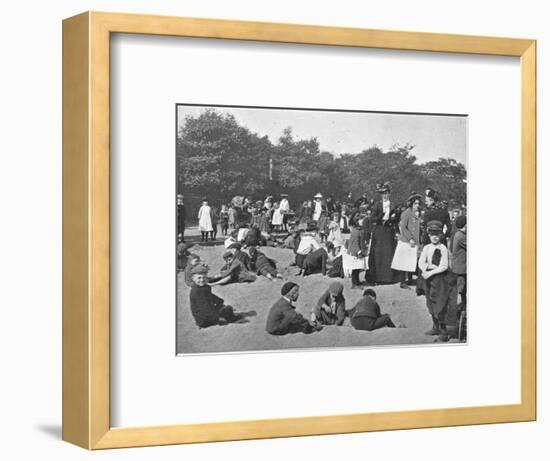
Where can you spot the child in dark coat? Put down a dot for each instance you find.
(283, 318)
(263, 265)
(207, 308)
(433, 264)
(366, 314)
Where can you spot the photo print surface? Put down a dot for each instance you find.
(315, 228)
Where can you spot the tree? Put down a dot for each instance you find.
(219, 158)
(447, 176)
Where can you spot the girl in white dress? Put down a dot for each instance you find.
(277, 220)
(205, 221)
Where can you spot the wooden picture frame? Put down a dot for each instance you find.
(86, 230)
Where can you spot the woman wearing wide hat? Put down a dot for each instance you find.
(383, 239)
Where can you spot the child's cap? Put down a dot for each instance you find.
(199, 269)
(435, 227)
(227, 254)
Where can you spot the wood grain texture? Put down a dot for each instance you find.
(310, 34)
(529, 229)
(86, 237)
(76, 306)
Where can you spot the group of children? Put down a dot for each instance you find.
(322, 248)
(208, 309)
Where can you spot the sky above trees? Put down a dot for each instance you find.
(219, 157)
(349, 132)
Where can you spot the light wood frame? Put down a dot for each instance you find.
(86, 234)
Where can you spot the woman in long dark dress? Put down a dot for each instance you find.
(383, 239)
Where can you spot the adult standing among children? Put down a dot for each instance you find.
(306, 214)
(329, 204)
(205, 220)
(435, 212)
(317, 206)
(284, 209)
(406, 254)
(383, 240)
(181, 215)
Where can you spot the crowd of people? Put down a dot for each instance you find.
(419, 244)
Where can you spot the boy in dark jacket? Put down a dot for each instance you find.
(366, 314)
(207, 308)
(283, 318)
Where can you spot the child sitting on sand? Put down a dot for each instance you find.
(366, 314)
(207, 308)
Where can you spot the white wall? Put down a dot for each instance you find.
(30, 230)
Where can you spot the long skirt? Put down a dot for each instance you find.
(383, 246)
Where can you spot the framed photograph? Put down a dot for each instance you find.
(276, 230)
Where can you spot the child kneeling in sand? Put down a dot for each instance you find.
(331, 307)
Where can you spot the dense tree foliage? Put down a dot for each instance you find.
(218, 158)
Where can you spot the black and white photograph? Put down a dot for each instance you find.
(301, 228)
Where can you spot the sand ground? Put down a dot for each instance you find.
(404, 306)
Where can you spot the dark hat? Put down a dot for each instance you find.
(369, 292)
(335, 288)
(235, 245)
(383, 188)
(227, 254)
(435, 227)
(414, 196)
(193, 256)
(287, 287)
(460, 221)
(199, 269)
(431, 193)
